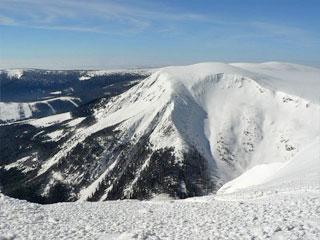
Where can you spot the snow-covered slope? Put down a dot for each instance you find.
(184, 131)
(290, 78)
(229, 105)
(301, 172)
(13, 111)
(14, 73)
(235, 116)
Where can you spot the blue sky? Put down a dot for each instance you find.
(96, 34)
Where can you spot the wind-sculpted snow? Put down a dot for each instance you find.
(290, 78)
(183, 131)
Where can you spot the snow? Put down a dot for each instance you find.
(294, 215)
(15, 73)
(88, 192)
(23, 167)
(301, 172)
(254, 176)
(56, 93)
(83, 78)
(129, 188)
(16, 163)
(274, 212)
(90, 74)
(56, 135)
(9, 111)
(251, 116)
(12, 111)
(291, 78)
(75, 122)
(305, 164)
(48, 121)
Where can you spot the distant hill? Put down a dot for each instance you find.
(33, 93)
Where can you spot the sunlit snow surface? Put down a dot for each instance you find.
(294, 215)
(87, 75)
(17, 73)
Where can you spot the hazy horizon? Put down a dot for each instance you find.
(129, 67)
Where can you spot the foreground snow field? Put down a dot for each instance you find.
(294, 215)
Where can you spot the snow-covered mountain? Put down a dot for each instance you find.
(80, 74)
(183, 131)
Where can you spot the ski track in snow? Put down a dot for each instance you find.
(294, 215)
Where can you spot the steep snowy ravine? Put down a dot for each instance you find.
(235, 117)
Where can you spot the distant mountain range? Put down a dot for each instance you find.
(34, 93)
(183, 131)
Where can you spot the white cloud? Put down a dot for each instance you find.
(81, 15)
(4, 20)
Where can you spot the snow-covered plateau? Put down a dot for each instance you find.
(246, 135)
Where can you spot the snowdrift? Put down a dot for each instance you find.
(301, 172)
